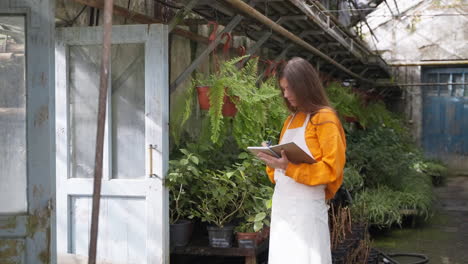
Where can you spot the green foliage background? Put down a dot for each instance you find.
(385, 172)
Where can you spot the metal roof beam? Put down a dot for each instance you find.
(252, 12)
(266, 36)
(338, 52)
(324, 22)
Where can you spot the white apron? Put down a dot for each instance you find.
(299, 221)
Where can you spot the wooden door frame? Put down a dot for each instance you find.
(36, 227)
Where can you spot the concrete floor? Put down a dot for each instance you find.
(444, 237)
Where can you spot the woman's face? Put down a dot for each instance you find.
(288, 94)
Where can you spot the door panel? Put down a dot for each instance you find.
(13, 121)
(133, 225)
(121, 227)
(128, 112)
(83, 104)
(27, 163)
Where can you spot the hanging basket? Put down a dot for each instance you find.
(229, 108)
(203, 97)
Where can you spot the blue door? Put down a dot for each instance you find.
(445, 112)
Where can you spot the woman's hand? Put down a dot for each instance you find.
(276, 163)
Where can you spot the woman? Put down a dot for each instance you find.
(299, 221)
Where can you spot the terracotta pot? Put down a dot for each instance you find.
(265, 232)
(203, 97)
(350, 119)
(248, 240)
(229, 108)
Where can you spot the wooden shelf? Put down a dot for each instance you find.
(200, 247)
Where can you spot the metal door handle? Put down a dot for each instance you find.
(150, 149)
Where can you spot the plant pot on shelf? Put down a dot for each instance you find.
(265, 233)
(339, 257)
(248, 240)
(373, 257)
(203, 97)
(220, 237)
(180, 233)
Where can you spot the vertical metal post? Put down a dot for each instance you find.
(103, 83)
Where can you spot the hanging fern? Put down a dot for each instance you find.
(216, 107)
(260, 107)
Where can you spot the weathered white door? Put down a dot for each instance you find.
(133, 221)
(27, 158)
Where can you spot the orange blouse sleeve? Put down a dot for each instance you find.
(326, 129)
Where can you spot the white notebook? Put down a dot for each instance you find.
(294, 153)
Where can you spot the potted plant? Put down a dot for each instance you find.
(212, 90)
(218, 201)
(252, 231)
(181, 176)
(235, 92)
(256, 210)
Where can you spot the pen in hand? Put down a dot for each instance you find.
(266, 143)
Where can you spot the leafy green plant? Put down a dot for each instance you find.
(260, 107)
(380, 206)
(433, 168)
(261, 110)
(256, 210)
(350, 104)
(218, 196)
(344, 101)
(181, 176)
(417, 193)
(352, 180)
(384, 206)
(254, 223)
(382, 154)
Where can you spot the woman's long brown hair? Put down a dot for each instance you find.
(306, 85)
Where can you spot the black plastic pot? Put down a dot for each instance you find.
(373, 257)
(339, 256)
(220, 237)
(180, 233)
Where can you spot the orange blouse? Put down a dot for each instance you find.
(326, 141)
